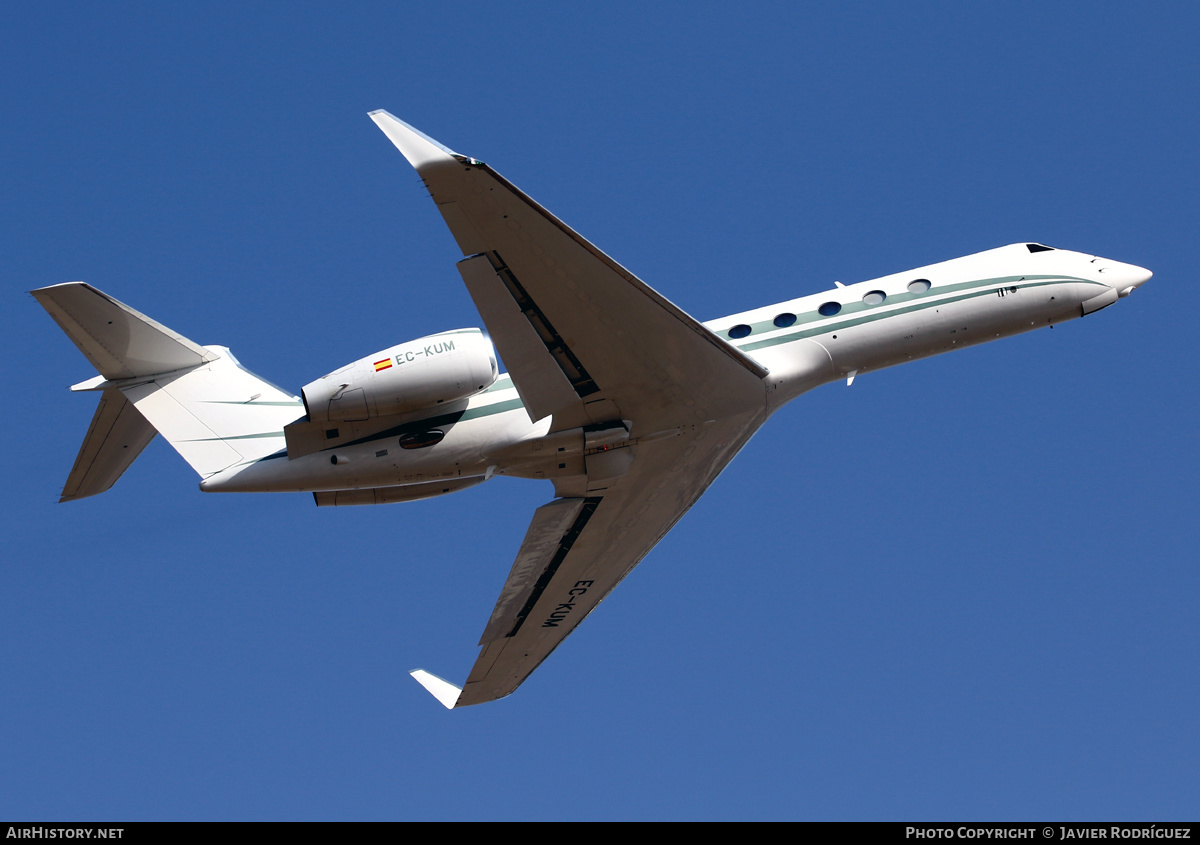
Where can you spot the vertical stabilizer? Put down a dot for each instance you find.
(218, 414)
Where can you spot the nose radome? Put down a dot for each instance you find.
(1126, 278)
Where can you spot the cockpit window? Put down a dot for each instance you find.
(1039, 248)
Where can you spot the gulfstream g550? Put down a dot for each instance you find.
(627, 404)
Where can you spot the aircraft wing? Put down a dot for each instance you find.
(582, 337)
(664, 404)
(578, 549)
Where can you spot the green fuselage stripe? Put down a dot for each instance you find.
(929, 299)
(859, 313)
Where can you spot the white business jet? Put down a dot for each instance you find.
(627, 404)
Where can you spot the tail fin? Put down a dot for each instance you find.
(212, 411)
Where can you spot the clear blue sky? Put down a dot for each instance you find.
(961, 589)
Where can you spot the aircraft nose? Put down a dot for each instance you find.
(1125, 278)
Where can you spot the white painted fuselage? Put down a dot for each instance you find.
(804, 343)
(628, 405)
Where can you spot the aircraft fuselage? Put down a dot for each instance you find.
(627, 404)
(804, 342)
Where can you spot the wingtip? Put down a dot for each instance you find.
(44, 292)
(417, 147)
(441, 689)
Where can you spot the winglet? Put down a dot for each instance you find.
(418, 148)
(439, 688)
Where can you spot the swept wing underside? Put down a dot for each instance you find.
(581, 336)
(578, 549)
(591, 345)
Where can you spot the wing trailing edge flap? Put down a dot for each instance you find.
(547, 538)
(547, 541)
(540, 382)
(590, 322)
(116, 436)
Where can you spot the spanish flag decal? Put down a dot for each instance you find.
(383, 365)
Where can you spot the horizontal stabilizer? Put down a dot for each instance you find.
(117, 435)
(119, 342)
(439, 688)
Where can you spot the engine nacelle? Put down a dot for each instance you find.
(419, 374)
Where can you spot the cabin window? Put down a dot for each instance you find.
(740, 330)
(918, 286)
(784, 320)
(829, 309)
(421, 439)
(875, 297)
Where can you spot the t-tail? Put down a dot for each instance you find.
(199, 398)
